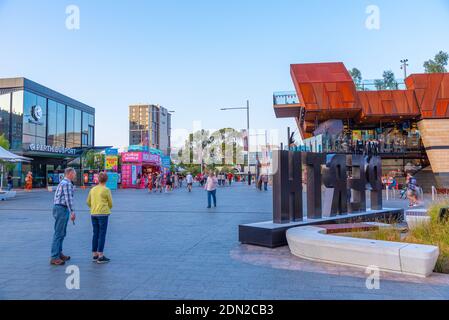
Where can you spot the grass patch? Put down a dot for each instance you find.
(434, 233)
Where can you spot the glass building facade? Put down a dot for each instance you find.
(44, 125)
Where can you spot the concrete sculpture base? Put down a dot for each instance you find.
(272, 235)
(313, 243)
(416, 218)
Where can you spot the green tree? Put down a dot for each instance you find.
(388, 81)
(221, 148)
(379, 84)
(438, 64)
(93, 161)
(356, 75)
(4, 143)
(226, 147)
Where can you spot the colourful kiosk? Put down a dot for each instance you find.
(135, 164)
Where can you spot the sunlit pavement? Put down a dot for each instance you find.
(169, 246)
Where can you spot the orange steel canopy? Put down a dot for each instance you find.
(327, 91)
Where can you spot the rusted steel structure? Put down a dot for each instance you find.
(326, 91)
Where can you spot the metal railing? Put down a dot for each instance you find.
(285, 97)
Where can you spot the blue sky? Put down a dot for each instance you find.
(198, 56)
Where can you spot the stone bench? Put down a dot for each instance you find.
(313, 243)
(5, 195)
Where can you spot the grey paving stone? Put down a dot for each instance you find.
(165, 246)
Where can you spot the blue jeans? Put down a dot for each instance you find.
(61, 215)
(265, 186)
(213, 195)
(100, 226)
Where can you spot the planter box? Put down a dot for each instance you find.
(314, 244)
(417, 217)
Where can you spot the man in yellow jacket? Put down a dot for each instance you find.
(99, 201)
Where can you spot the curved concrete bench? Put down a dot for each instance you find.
(4, 195)
(313, 243)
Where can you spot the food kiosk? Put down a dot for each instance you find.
(135, 164)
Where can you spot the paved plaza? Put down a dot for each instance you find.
(169, 246)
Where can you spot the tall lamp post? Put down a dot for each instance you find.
(247, 128)
(404, 65)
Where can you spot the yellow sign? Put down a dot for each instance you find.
(111, 163)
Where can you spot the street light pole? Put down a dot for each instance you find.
(404, 66)
(247, 128)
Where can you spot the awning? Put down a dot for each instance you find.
(5, 155)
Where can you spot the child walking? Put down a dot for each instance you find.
(99, 201)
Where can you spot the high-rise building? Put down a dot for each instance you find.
(150, 125)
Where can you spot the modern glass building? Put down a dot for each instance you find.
(44, 125)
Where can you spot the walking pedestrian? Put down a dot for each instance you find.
(189, 181)
(9, 182)
(265, 182)
(230, 177)
(412, 190)
(159, 185)
(99, 201)
(211, 188)
(168, 182)
(29, 181)
(150, 182)
(62, 210)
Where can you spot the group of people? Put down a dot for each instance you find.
(160, 182)
(99, 201)
(370, 147)
(28, 181)
(263, 182)
(410, 189)
(224, 178)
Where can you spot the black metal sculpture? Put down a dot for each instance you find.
(314, 161)
(349, 195)
(374, 177)
(335, 176)
(357, 183)
(287, 187)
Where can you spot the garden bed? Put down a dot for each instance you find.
(435, 232)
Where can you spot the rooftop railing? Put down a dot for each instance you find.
(285, 97)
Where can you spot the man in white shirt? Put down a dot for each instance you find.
(189, 180)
